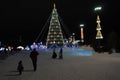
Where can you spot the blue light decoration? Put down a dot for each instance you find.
(34, 45)
(27, 48)
(80, 52)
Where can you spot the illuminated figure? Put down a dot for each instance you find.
(99, 34)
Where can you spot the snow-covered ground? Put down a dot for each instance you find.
(73, 66)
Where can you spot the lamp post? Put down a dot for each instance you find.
(82, 32)
(98, 28)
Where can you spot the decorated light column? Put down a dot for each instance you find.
(99, 34)
(98, 28)
(82, 32)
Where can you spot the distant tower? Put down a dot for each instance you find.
(55, 35)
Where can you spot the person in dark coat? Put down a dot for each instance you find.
(61, 53)
(20, 67)
(54, 55)
(33, 56)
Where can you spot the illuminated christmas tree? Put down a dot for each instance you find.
(99, 34)
(55, 35)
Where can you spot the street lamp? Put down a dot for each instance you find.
(82, 32)
(98, 8)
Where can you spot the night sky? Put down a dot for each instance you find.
(26, 18)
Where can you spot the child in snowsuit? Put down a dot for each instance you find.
(20, 67)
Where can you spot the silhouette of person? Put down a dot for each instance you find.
(33, 56)
(61, 53)
(54, 55)
(20, 67)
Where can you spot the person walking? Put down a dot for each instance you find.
(20, 67)
(61, 53)
(54, 55)
(33, 56)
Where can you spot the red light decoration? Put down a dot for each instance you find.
(54, 32)
(50, 42)
(58, 35)
(58, 42)
(51, 36)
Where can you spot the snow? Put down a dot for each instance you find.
(98, 66)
